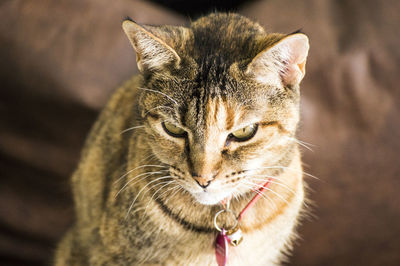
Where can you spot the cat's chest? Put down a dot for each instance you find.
(257, 248)
(260, 246)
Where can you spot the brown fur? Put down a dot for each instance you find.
(220, 75)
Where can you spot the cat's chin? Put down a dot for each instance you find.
(208, 198)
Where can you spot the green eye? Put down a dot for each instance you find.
(245, 133)
(173, 130)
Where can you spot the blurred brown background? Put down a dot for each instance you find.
(60, 60)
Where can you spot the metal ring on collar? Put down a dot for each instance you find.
(216, 216)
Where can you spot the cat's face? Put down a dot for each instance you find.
(220, 144)
(222, 126)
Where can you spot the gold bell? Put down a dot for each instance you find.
(235, 236)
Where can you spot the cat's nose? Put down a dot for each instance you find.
(203, 184)
(203, 180)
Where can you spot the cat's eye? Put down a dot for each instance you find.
(173, 130)
(245, 133)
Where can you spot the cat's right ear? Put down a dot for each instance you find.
(152, 53)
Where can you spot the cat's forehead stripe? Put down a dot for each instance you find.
(219, 114)
(230, 117)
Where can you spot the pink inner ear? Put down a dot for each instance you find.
(291, 75)
(302, 67)
(287, 57)
(296, 46)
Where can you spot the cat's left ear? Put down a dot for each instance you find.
(152, 53)
(286, 57)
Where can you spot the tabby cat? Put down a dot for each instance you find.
(210, 118)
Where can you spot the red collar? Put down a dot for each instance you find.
(253, 201)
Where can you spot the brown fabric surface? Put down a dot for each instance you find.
(59, 61)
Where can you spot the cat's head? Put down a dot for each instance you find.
(219, 101)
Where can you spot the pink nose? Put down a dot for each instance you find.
(203, 180)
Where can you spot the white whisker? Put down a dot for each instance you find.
(254, 177)
(301, 143)
(137, 209)
(283, 167)
(169, 97)
(155, 185)
(151, 156)
(307, 143)
(267, 188)
(170, 196)
(145, 175)
(131, 128)
(266, 197)
(274, 182)
(141, 166)
(140, 191)
(158, 107)
(171, 188)
(164, 184)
